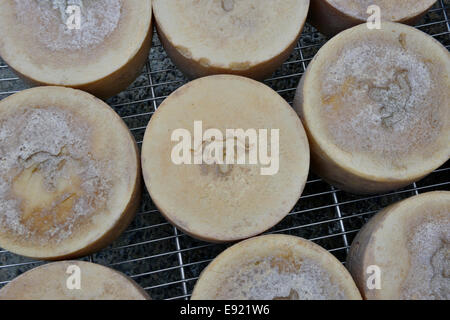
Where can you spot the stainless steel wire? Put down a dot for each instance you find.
(167, 262)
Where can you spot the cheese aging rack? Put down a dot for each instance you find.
(166, 262)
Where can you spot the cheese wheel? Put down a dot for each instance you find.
(72, 280)
(275, 267)
(216, 192)
(241, 37)
(375, 105)
(69, 173)
(409, 243)
(103, 54)
(333, 16)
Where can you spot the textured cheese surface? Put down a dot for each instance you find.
(377, 101)
(275, 278)
(68, 169)
(234, 201)
(429, 249)
(72, 280)
(49, 19)
(376, 98)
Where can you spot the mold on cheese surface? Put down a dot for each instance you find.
(275, 267)
(377, 105)
(64, 189)
(243, 37)
(72, 280)
(98, 20)
(377, 99)
(410, 242)
(99, 46)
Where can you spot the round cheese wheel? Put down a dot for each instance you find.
(69, 173)
(375, 105)
(72, 280)
(333, 16)
(409, 244)
(100, 47)
(275, 267)
(226, 186)
(245, 37)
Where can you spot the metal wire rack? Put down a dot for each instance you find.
(167, 262)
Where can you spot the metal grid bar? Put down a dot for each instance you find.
(339, 215)
(167, 262)
(444, 11)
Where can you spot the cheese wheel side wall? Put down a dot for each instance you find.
(121, 225)
(122, 78)
(194, 69)
(358, 255)
(125, 219)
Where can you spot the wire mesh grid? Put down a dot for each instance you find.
(167, 262)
